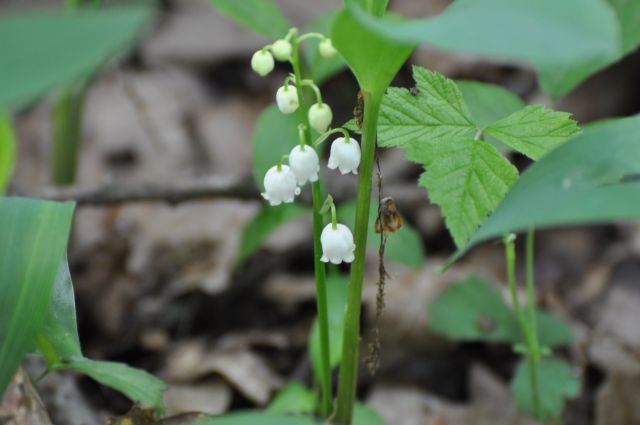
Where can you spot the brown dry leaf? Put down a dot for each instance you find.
(212, 397)
(617, 401)
(139, 415)
(21, 404)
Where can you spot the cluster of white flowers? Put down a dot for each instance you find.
(282, 183)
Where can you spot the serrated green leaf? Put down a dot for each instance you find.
(467, 179)
(294, 399)
(261, 16)
(534, 130)
(32, 246)
(592, 178)
(403, 246)
(320, 68)
(412, 121)
(7, 151)
(274, 135)
(546, 33)
(136, 384)
(373, 59)
(67, 45)
(263, 224)
(474, 310)
(488, 102)
(336, 301)
(257, 418)
(556, 382)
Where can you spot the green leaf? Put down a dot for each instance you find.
(261, 16)
(136, 384)
(556, 381)
(294, 399)
(58, 342)
(257, 418)
(32, 246)
(263, 224)
(534, 130)
(62, 46)
(413, 121)
(592, 178)
(364, 415)
(373, 59)
(403, 246)
(468, 179)
(474, 310)
(321, 68)
(628, 12)
(336, 301)
(487, 102)
(274, 135)
(7, 151)
(373, 7)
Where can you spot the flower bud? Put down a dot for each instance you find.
(320, 117)
(304, 163)
(262, 62)
(326, 49)
(287, 99)
(344, 155)
(282, 50)
(280, 185)
(337, 244)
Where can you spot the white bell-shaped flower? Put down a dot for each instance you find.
(287, 99)
(280, 185)
(304, 163)
(282, 50)
(320, 117)
(344, 155)
(262, 62)
(337, 244)
(326, 49)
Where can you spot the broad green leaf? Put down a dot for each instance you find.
(136, 384)
(294, 399)
(62, 46)
(257, 418)
(364, 415)
(32, 246)
(487, 102)
(413, 121)
(534, 130)
(628, 12)
(7, 151)
(321, 68)
(336, 301)
(262, 225)
(274, 135)
(373, 58)
(556, 382)
(473, 310)
(261, 16)
(551, 34)
(467, 179)
(592, 178)
(403, 246)
(372, 7)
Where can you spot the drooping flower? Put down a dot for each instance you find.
(304, 163)
(287, 99)
(262, 62)
(280, 185)
(320, 117)
(344, 155)
(282, 50)
(337, 244)
(326, 49)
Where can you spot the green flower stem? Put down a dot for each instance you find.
(67, 123)
(319, 267)
(351, 341)
(324, 136)
(527, 323)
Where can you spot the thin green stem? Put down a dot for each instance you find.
(510, 253)
(324, 136)
(319, 266)
(533, 343)
(309, 35)
(314, 87)
(67, 122)
(351, 341)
